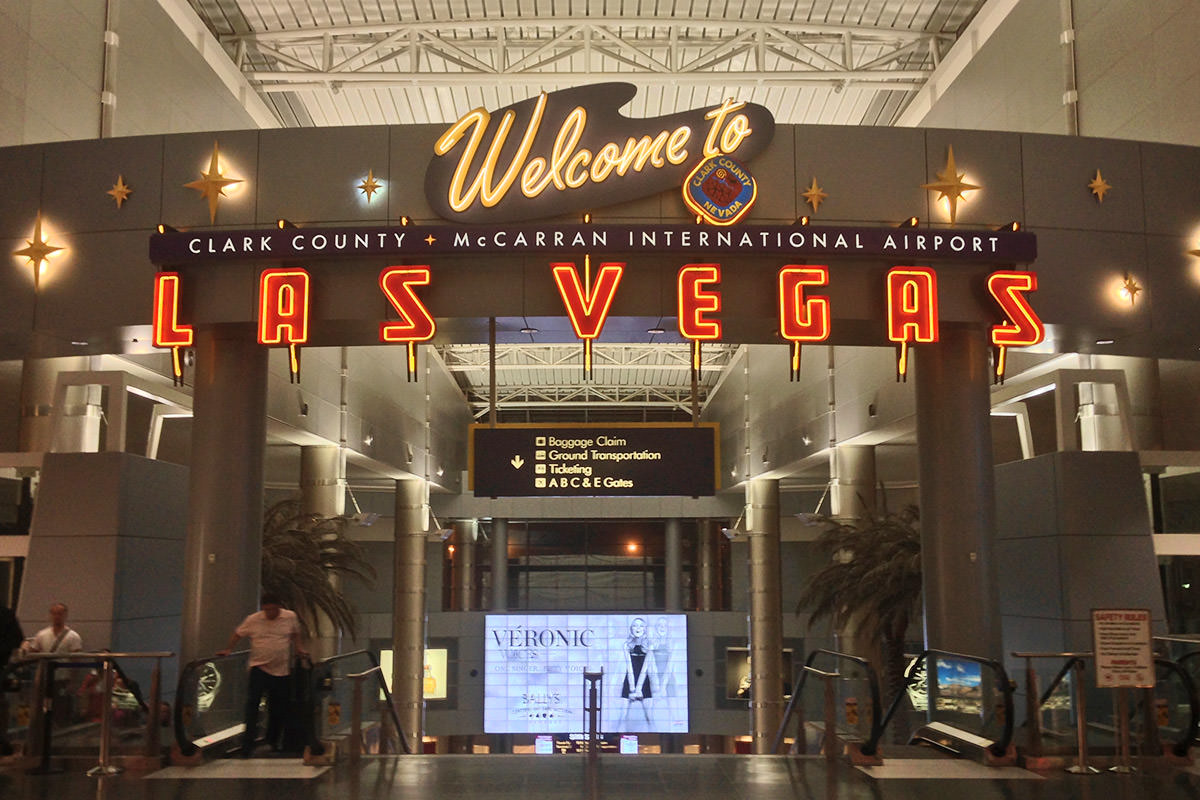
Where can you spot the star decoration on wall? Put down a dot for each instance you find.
(1099, 187)
(814, 195)
(1130, 289)
(1195, 252)
(430, 239)
(120, 191)
(370, 186)
(212, 184)
(37, 251)
(950, 185)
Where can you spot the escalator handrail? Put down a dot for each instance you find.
(1188, 656)
(387, 694)
(1180, 748)
(186, 746)
(801, 674)
(999, 747)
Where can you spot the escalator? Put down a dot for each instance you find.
(212, 693)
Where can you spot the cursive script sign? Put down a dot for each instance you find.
(573, 150)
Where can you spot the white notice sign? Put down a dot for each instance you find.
(1123, 655)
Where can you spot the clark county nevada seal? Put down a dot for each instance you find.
(720, 190)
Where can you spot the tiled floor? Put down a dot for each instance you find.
(659, 777)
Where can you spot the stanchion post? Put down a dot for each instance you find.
(833, 746)
(105, 767)
(356, 718)
(153, 723)
(1032, 708)
(1123, 764)
(1081, 765)
(43, 718)
(592, 681)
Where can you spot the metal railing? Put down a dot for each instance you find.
(111, 677)
(211, 701)
(990, 702)
(1071, 676)
(795, 706)
(345, 679)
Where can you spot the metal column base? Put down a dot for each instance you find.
(100, 771)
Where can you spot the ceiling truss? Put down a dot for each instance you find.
(676, 51)
(631, 376)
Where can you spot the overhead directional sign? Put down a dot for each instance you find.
(594, 460)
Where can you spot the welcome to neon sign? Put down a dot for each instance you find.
(910, 291)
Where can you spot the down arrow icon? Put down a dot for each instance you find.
(517, 462)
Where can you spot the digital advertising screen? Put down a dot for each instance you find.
(534, 666)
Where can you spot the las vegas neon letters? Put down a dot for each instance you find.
(284, 302)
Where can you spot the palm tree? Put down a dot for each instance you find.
(874, 580)
(300, 554)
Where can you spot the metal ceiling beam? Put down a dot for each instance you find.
(681, 51)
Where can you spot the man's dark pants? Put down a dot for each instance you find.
(276, 688)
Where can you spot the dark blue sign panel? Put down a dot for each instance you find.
(594, 460)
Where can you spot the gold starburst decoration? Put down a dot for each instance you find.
(212, 184)
(120, 191)
(1194, 253)
(1099, 186)
(814, 195)
(369, 186)
(430, 239)
(950, 185)
(1130, 289)
(37, 251)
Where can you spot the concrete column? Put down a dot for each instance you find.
(674, 566)
(707, 596)
(408, 612)
(223, 552)
(766, 625)
(499, 565)
(322, 485)
(462, 568)
(852, 481)
(958, 504)
(79, 428)
(323, 492)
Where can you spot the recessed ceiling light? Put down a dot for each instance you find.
(529, 330)
(656, 331)
(79, 343)
(1104, 341)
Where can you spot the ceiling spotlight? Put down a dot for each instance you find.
(803, 220)
(1013, 226)
(587, 217)
(656, 331)
(284, 224)
(165, 228)
(404, 221)
(911, 222)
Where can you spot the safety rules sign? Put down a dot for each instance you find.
(1122, 642)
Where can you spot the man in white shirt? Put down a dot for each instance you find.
(273, 633)
(57, 637)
